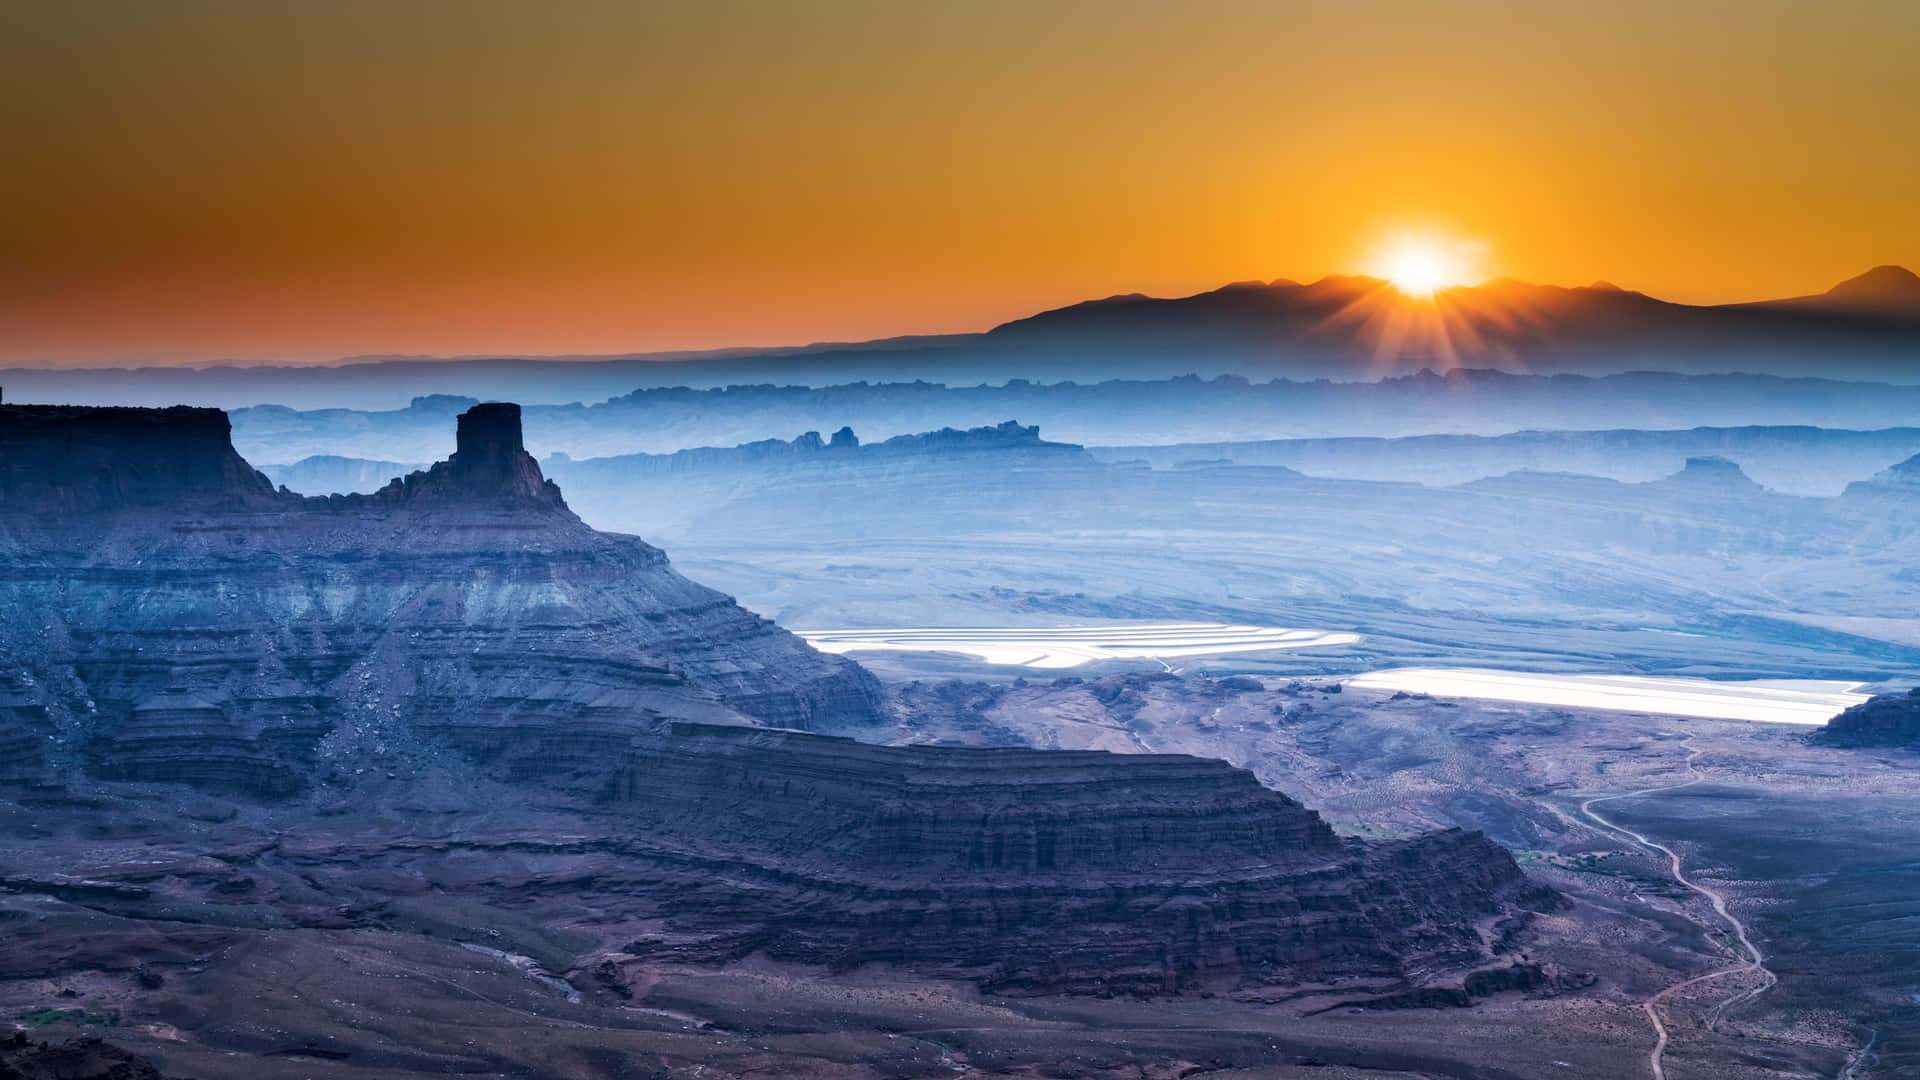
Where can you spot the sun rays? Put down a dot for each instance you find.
(1425, 304)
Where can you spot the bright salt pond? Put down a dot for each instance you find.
(1770, 701)
(1071, 646)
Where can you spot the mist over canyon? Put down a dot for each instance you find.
(454, 670)
(385, 743)
(848, 540)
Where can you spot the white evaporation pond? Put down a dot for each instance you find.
(1072, 646)
(1768, 701)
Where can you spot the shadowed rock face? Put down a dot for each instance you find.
(607, 747)
(1886, 720)
(1031, 870)
(57, 462)
(77, 1059)
(491, 463)
(179, 620)
(677, 843)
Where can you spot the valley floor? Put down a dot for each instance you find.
(1811, 847)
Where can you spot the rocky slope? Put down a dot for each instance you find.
(1885, 720)
(22, 1058)
(449, 706)
(1162, 871)
(684, 844)
(167, 615)
(1899, 480)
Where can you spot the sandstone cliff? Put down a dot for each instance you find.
(1885, 720)
(451, 696)
(180, 620)
(1031, 870)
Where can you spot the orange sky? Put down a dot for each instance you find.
(189, 181)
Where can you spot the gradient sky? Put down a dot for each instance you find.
(190, 181)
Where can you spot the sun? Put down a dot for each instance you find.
(1419, 264)
(1418, 273)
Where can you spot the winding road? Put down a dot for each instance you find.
(1863, 1059)
(1752, 963)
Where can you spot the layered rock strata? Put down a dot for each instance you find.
(181, 620)
(1883, 720)
(1030, 870)
(609, 750)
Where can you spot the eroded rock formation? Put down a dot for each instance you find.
(174, 618)
(452, 696)
(1885, 720)
(1163, 871)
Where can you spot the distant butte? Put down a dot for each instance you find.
(1889, 720)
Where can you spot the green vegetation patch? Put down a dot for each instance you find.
(42, 1017)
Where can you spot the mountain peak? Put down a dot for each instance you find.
(1884, 288)
(490, 463)
(487, 443)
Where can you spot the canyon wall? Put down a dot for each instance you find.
(454, 681)
(183, 621)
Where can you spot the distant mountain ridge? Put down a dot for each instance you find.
(1795, 460)
(1109, 413)
(1339, 327)
(1499, 323)
(1884, 291)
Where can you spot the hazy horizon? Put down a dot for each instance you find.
(723, 348)
(850, 539)
(228, 180)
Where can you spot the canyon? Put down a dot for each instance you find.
(450, 712)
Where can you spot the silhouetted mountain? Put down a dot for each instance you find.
(1882, 292)
(1339, 327)
(1862, 325)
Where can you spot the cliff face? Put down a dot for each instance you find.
(180, 620)
(670, 492)
(663, 844)
(1886, 720)
(1050, 871)
(1008, 442)
(606, 750)
(1900, 480)
(56, 462)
